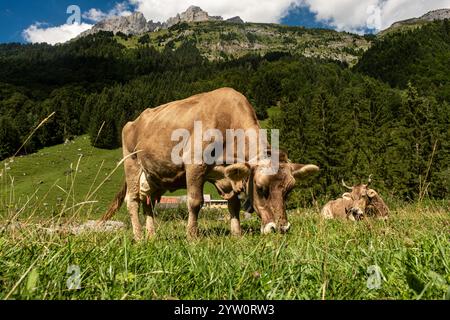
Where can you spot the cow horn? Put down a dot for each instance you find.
(370, 180)
(345, 185)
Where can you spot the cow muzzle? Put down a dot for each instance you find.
(269, 228)
(356, 214)
(285, 229)
(273, 228)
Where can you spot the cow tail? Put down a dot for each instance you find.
(115, 205)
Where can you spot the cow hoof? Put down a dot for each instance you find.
(236, 234)
(150, 236)
(193, 234)
(286, 228)
(269, 228)
(236, 228)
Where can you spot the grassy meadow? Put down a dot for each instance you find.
(407, 257)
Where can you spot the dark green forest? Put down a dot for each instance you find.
(388, 116)
(420, 57)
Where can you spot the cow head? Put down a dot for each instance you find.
(268, 192)
(361, 195)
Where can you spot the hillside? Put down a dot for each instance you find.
(45, 178)
(420, 56)
(224, 40)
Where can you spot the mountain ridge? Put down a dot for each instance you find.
(221, 41)
(136, 23)
(434, 15)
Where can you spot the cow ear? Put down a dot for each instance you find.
(372, 193)
(237, 172)
(347, 196)
(301, 171)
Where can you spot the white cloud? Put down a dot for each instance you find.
(355, 15)
(120, 9)
(40, 33)
(94, 15)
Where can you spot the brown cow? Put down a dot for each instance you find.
(344, 208)
(361, 202)
(148, 149)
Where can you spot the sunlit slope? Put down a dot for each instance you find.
(74, 172)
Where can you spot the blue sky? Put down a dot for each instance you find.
(18, 15)
(302, 16)
(45, 19)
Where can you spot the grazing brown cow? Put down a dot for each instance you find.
(148, 149)
(355, 205)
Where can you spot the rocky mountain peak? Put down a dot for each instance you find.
(132, 24)
(440, 14)
(137, 24)
(194, 9)
(192, 14)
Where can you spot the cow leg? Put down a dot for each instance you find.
(234, 206)
(132, 172)
(133, 209)
(149, 212)
(195, 179)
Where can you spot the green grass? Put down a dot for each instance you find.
(316, 260)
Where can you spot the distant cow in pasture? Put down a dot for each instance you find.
(361, 202)
(344, 208)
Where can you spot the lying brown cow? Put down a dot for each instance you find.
(148, 149)
(344, 208)
(361, 202)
